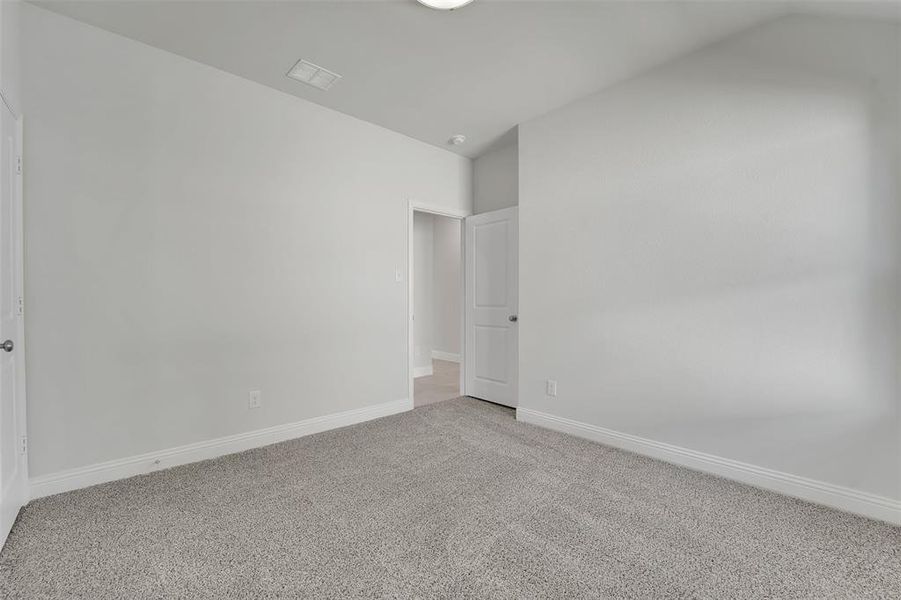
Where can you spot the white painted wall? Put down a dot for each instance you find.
(9, 53)
(423, 292)
(711, 254)
(448, 284)
(496, 178)
(192, 236)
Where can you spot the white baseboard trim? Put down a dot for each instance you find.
(827, 494)
(422, 371)
(73, 479)
(448, 356)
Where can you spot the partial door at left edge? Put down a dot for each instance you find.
(13, 460)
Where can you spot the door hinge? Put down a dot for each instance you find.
(23, 445)
(20, 306)
(18, 165)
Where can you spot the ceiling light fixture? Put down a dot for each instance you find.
(444, 4)
(456, 140)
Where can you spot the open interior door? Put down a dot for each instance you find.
(13, 464)
(492, 302)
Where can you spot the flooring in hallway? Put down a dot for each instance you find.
(442, 384)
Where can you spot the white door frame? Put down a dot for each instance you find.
(19, 208)
(414, 206)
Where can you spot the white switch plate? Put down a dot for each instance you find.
(255, 399)
(398, 275)
(551, 389)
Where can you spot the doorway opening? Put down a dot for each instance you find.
(436, 306)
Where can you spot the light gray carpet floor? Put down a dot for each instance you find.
(452, 500)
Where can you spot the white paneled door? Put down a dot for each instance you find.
(13, 465)
(492, 302)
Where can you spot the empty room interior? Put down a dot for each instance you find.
(448, 299)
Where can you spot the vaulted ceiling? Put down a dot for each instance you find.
(476, 71)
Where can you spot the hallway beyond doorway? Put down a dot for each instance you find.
(442, 384)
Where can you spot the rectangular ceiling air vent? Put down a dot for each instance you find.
(306, 72)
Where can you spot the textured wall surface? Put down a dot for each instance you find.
(711, 253)
(496, 179)
(192, 236)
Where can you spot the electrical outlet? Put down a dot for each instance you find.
(551, 389)
(255, 399)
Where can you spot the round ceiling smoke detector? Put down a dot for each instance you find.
(444, 4)
(456, 140)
